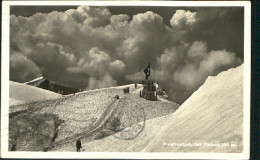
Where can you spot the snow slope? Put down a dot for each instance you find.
(115, 144)
(21, 93)
(156, 114)
(84, 113)
(152, 109)
(212, 117)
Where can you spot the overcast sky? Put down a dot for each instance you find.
(95, 47)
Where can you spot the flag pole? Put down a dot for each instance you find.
(150, 70)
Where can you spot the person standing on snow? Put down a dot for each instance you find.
(78, 145)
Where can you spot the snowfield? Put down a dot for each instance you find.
(82, 114)
(115, 144)
(152, 109)
(22, 93)
(212, 117)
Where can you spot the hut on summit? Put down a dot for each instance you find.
(149, 91)
(149, 88)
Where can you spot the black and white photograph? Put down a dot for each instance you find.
(127, 78)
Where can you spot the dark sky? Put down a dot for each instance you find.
(30, 10)
(106, 46)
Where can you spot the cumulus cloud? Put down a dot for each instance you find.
(149, 20)
(94, 63)
(93, 16)
(218, 59)
(195, 71)
(119, 20)
(173, 57)
(183, 20)
(182, 69)
(116, 66)
(97, 63)
(89, 47)
(197, 50)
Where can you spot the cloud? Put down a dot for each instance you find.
(195, 71)
(119, 20)
(22, 69)
(104, 82)
(94, 63)
(198, 49)
(149, 20)
(89, 47)
(188, 76)
(136, 77)
(146, 38)
(183, 20)
(97, 63)
(182, 69)
(173, 57)
(93, 16)
(217, 59)
(116, 66)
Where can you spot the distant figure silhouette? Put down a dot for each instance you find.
(78, 145)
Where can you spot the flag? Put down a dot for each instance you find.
(147, 72)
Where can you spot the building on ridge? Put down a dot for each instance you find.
(149, 87)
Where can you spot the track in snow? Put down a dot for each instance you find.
(98, 125)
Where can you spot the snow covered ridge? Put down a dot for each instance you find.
(44, 83)
(34, 80)
(22, 93)
(211, 120)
